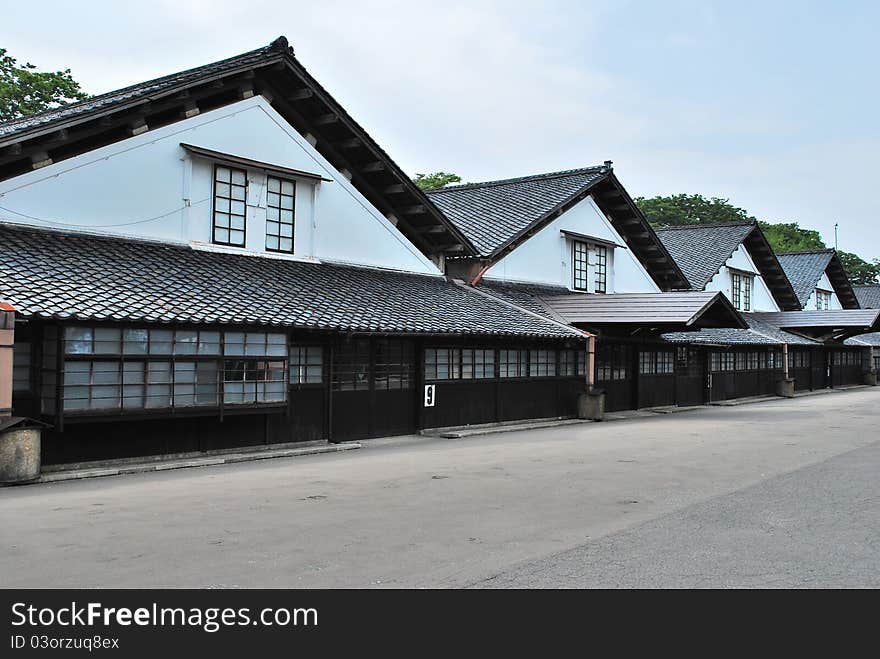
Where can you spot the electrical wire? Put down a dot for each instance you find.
(103, 226)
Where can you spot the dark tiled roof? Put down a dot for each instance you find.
(868, 296)
(564, 305)
(843, 318)
(701, 251)
(804, 269)
(135, 93)
(758, 333)
(493, 213)
(527, 296)
(61, 132)
(872, 339)
(56, 275)
(644, 309)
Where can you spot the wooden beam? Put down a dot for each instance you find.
(397, 188)
(417, 209)
(301, 94)
(371, 167)
(325, 119)
(432, 229)
(351, 143)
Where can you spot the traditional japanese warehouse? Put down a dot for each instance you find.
(224, 257)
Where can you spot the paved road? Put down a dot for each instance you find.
(775, 493)
(818, 526)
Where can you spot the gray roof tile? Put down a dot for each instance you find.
(493, 213)
(804, 269)
(60, 275)
(701, 251)
(868, 296)
(759, 333)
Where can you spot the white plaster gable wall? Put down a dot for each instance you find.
(545, 258)
(825, 284)
(140, 188)
(762, 299)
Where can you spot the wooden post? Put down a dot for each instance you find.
(7, 342)
(591, 361)
(785, 360)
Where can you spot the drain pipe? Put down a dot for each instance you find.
(7, 342)
(785, 387)
(591, 403)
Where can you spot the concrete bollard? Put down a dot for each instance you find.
(19, 455)
(785, 387)
(591, 405)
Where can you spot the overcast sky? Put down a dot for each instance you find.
(773, 105)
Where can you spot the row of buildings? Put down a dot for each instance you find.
(224, 257)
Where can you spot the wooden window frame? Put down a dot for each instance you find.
(230, 198)
(280, 208)
(580, 265)
(600, 279)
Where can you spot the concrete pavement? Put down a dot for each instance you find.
(427, 512)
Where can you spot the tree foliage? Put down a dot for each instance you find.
(25, 91)
(435, 180)
(688, 209)
(789, 237)
(695, 209)
(858, 270)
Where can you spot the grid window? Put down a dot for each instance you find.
(601, 280)
(542, 363)
(115, 341)
(21, 366)
(715, 361)
(477, 364)
(823, 300)
(741, 287)
(306, 365)
(443, 363)
(254, 344)
(137, 368)
(351, 367)
(253, 381)
(230, 192)
(579, 259)
(513, 363)
(742, 361)
(647, 365)
(279, 215)
(754, 361)
(394, 365)
(665, 362)
(573, 362)
(727, 361)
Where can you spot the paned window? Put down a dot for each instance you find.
(542, 363)
(601, 279)
(279, 215)
(580, 260)
(306, 365)
(513, 363)
(230, 193)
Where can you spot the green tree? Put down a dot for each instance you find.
(789, 237)
(435, 180)
(24, 90)
(858, 270)
(686, 209)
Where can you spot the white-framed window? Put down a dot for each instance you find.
(741, 288)
(280, 196)
(230, 194)
(823, 300)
